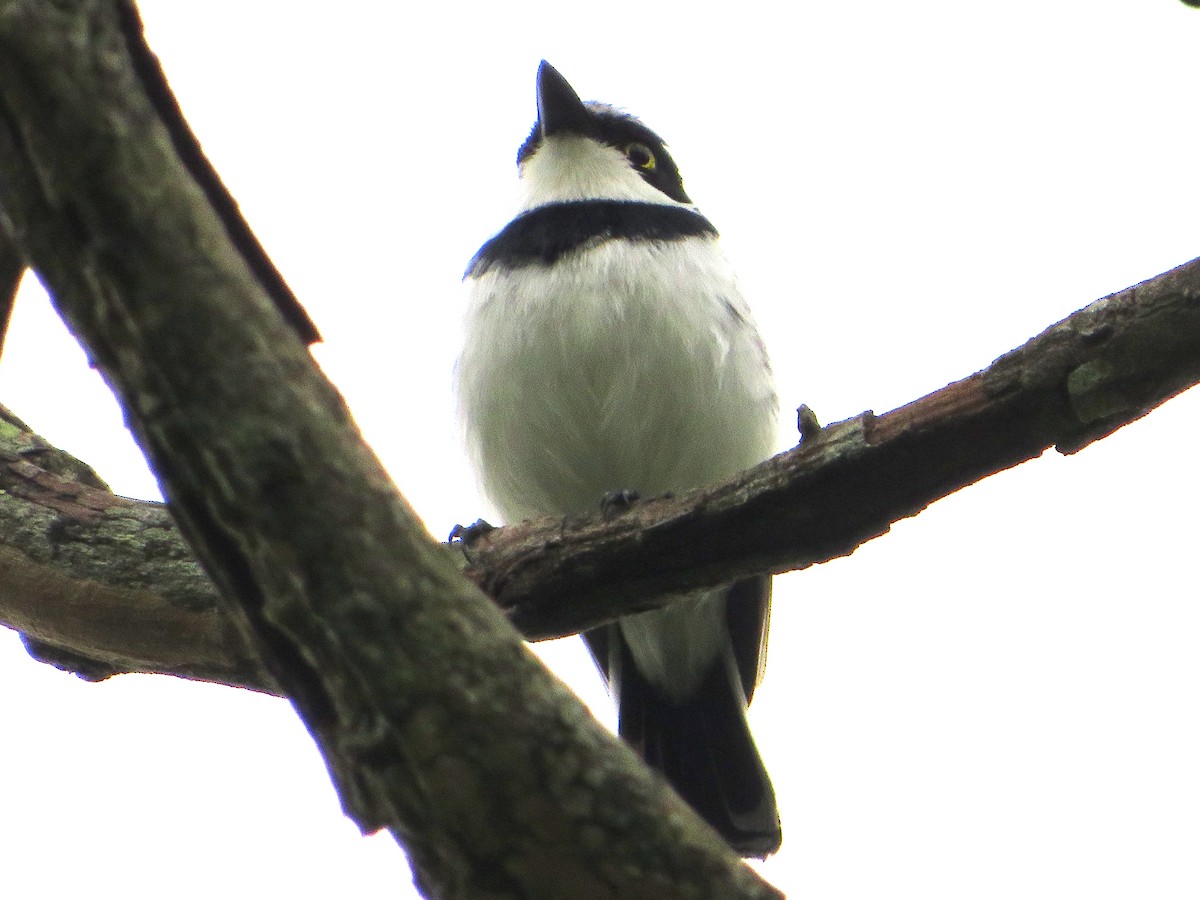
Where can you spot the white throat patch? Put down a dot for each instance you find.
(571, 167)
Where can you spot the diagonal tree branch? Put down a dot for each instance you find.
(12, 267)
(434, 720)
(153, 83)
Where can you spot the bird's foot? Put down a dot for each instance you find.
(614, 503)
(807, 423)
(469, 534)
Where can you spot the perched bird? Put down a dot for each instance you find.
(608, 349)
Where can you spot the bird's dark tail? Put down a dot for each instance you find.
(703, 746)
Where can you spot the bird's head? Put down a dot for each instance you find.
(591, 151)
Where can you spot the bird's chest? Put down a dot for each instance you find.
(608, 331)
(596, 374)
(604, 336)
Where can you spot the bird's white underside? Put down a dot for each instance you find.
(624, 365)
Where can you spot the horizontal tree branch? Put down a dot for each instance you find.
(99, 584)
(1080, 380)
(150, 609)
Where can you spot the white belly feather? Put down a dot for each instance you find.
(623, 365)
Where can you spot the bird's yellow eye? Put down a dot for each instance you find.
(641, 156)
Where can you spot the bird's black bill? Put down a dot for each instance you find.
(559, 107)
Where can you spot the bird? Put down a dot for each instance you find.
(608, 352)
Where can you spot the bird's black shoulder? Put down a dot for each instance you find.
(543, 235)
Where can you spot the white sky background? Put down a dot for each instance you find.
(997, 699)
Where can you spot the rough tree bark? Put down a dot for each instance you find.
(100, 584)
(11, 268)
(435, 721)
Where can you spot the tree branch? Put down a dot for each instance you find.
(1098, 369)
(434, 720)
(99, 584)
(1081, 379)
(12, 267)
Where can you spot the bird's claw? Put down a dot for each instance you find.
(807, 423)
(616, 502)
(469, 534)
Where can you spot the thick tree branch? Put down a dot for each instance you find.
(12, 267)
(434, 720)
(98, 584)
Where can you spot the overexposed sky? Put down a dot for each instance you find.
(997, 699)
